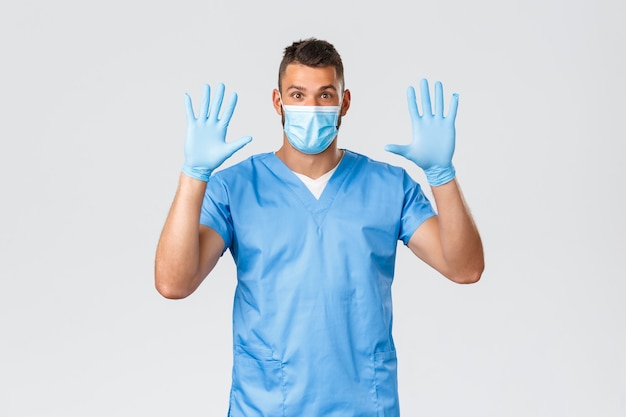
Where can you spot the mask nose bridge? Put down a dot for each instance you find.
(339, 105)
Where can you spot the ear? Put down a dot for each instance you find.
(276, 102)
(345, 104)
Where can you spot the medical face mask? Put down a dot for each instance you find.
(311, 129)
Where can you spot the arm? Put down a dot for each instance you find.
(187, 251)
(449, 242)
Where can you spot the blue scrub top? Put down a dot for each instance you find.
(312, 316)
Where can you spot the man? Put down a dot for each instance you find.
(313, 230)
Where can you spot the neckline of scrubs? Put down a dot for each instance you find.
(317, 207)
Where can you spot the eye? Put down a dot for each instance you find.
(296, 95)
(327, 96)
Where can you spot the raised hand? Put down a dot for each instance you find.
(205, 141)
(432, 146)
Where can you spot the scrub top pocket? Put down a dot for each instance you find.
(258, 383)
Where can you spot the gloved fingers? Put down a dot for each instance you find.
(425, 93)
(412, 102)
(191, 117)
(216, 103)
(204, 107)
(238, 144)
(398, 149)
(438, 99)
(454, 104)
(229, 109)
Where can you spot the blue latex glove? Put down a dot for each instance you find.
(432, 146)
(205, 142)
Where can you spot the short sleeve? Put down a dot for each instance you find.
(416, 209)
(215, 211)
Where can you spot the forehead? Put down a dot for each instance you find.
(313, 78)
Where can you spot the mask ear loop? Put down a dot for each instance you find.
(339, 112)
(282, 105)
(282, 108)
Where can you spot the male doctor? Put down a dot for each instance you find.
(313, 230)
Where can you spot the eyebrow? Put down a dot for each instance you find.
(322, 88)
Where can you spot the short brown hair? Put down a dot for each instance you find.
(311, 52)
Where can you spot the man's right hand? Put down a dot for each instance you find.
(205, 141)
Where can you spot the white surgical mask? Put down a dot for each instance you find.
(311, 129)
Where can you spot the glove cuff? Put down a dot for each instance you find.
(438, 175)
(202, 174)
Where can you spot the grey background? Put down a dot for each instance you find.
(92, 127)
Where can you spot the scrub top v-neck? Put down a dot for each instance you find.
(312, 314)
(316, 185)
